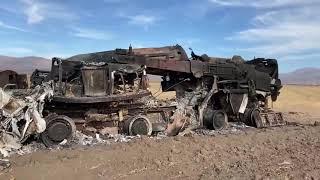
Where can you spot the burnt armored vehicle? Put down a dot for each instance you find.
(210, 91)
(104, 96)
(108, 89)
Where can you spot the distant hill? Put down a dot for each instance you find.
(24, 64)
(304, 76)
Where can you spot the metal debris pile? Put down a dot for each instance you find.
(152, 102)
(21, 117)
(184, 116)
(233, 128)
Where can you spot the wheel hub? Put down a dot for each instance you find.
(219, 121)
(59, 128)
(58, 131)
(139, 126)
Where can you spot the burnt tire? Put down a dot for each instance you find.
(255, 117)
(138, 125)
(59, 128)
(215, 119)
(219, 120)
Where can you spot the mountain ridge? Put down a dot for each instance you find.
(303, 76)
(24, 65)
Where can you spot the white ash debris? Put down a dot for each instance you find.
(159, 136)
(4, 164)
(185, 106)
(233, 128)
(238, 125)
(185, 116)
(152, 102)
(123, 138)
(20, 116)
(149, 101)
(87, 140)
(30, 148)
(8, 143)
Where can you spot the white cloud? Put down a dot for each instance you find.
(314, 56)
(6, 26)
(37, 11)
(34, 11)
(264, 3)
(283, 32)
(92, 34)
(140, 19)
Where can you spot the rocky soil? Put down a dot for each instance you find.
(290, 152)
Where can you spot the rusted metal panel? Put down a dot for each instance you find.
(168, 52)
(179, 66)
(198, 68)
(164, 65)
(98, 99)
(94, 81)
(11, 77)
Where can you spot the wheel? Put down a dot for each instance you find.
(138, 125)
(252, 117)
(256, 118)
(219, 120)
(59, 127)
(215, 119)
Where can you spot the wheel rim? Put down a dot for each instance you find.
(140, 126)
(219, 120)
(58, 131)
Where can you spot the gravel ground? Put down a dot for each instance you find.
(290, 152)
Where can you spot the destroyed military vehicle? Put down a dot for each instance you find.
(108, 91)
(101, 95)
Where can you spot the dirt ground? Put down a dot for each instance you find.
(281, 153)
(290, 152)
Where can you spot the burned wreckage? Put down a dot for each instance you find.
(109, 91)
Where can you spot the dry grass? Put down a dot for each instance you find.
(293, 98)
(299, 99)
(155, 88)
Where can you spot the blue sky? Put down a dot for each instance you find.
(288, 30)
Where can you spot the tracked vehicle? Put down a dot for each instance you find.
(92, 88)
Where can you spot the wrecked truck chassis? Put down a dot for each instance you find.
(99, 98)
(121, 113)
(106, 114)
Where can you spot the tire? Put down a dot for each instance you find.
(138, 125)
(219, 120)
(256, 118)
(215, 119)
(59, 127)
